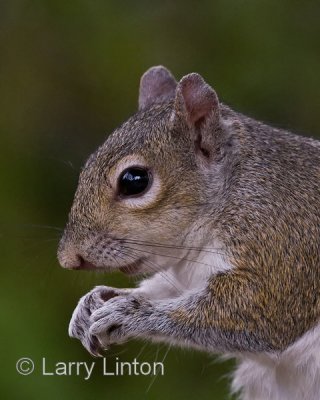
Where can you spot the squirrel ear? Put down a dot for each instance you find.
(157, 85)
(196, 100)
(197, 105)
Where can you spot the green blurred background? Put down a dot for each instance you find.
(69, 73)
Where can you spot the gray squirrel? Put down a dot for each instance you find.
(222, 213)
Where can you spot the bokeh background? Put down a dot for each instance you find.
(69, 73)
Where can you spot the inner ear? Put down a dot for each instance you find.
(198, 105)
(200, 100)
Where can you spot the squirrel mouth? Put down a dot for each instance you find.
(129, 269)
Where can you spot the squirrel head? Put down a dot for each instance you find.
(152, 181)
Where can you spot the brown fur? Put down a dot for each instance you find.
(270, 223)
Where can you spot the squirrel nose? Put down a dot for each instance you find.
(74, 261)
(70, 256)
(70, 261)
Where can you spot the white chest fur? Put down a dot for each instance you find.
(291, 375)
(191, 273)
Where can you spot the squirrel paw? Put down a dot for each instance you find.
(80, 321)
(120, 319)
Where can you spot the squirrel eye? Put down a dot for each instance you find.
(133, 181)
